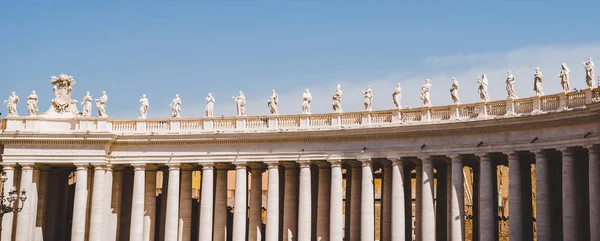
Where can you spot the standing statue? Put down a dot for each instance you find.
(397, 96)
(32, 101)
(483, 88)
(564, 77)
(425, 93)
(454, 91)
(144, 104)
(272, 103)
(240, 102)
(62, 93)
(368, 93)
(176, 107)
(337, 99)
(11, 104)
(589, 72)
(306, 99)
(87, 105)
(210, 104)
(101, 105)
(510, 86)
(537, 82)
(74, 109)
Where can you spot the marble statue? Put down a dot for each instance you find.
(537, 82)
(483, 88)
(74, 109)
(272, 103)
(397, 96)
(87, 105)
(337, 99)
(62, 93)
(32, 101)
(101, 105)
(306, 99)
(144, 104)
(510, 86)
(454, 91)
(564, 77)
(210, 105)
(589, 72)
(11, 104)
(176, 107)
(368, 93)
(240, 102)
(425, 93)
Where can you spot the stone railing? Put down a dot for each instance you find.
(331, 121)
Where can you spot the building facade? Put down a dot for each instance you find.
(387, 175)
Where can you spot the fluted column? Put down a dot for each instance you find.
(206, 203)
(427, 204)
(97, 214)
(185, 204)
(149, 203)
(355, 203)
(220, 210)
(136, 228)
(24, 218)
(457, 200)
(398, 205)
(487, 211)
(272, 232)
(254, 223)
(304, 204)
(594, 192)
(569, 202)
(240, 209)
(80, 203)
(290, 202)
(542, 194)
(367, 202)
(336, 216)
(386, 203)
(172, 213)
(7, 219)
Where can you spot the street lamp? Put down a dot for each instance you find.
(7, 203)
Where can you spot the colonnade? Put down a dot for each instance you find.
(306, 199)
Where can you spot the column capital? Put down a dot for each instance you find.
(99, 166)
(335, 162)
(539, 153)
(8, 166)
(272, 164)
(397, 162)
(512, 155)
(304, 164)
(240, 165)
(565, 151)
(81, 166)
(455, 157)
(484, 157)
(139, 167)
(27, 166)
(173, 166)
(208, 166)
(426, 159)
(115, 168)
(591, 148)
(364, 162)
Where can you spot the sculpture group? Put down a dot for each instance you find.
(63, 105)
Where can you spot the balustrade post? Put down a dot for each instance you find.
(140, 126)
(273, 123)
(208, 124)
(482, 110)
(562, 101)
(104, 125)
(304, 121)
(31, 124)
(537, 105)
(174, 125)
(240, 123)
(336, 120)
(397, 116)
(426, 114)
(366, 118)
(588, 95)
(454, 112)
(510, 108)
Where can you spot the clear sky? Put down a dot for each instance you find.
(162, 48)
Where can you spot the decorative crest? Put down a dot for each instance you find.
(62, 93)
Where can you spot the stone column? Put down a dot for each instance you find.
(594, 192)
(304, 204)
(272, 232)
(487, 211)
(542, 194)
(206, 203)
(80, 203)
(7, 219)
(115, 204)
(42, 187)
(418, 199)
(220, 211)
(172, 213)
(136, 230)
(569, 201)
(367, 201)
(355, 195)
(515, 222)
(24, 218)
(290, 202)
(97, 214)
(457, 200)
(398, 206)
(149, 203)
(255, 222)
(427, 204)
(336, 216)
(323, 201)
(185, 204)
(240, 209)
(386, 203)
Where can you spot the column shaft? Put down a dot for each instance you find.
(149, 204)
(80, 204)
(185, 205)
(457, 200)
(206, 203)
(97, 214)
(427, 204)
(115, 205)
(515, 222)
(136, 228)
(255, 223)
(290, 211)
(398, 206)
(336, 221)
(240, 209)
(304, 204)
(355, 195)
(487, 210)
(7, 219)
(323, 202)
(172, 212)
(42, 183)
(594, 191)
(220, 211)
(272, 232)
(569, 200)
(367, 207)
(386, 210)
(24, 217)
(542, 194)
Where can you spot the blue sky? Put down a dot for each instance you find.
(129, 48)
